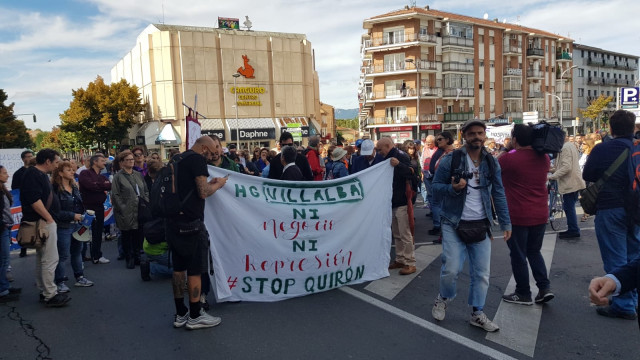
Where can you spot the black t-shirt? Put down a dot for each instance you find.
(35, 186)
(16, 179)
(188, 169)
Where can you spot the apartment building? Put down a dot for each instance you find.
(600, 72)
(424, 71)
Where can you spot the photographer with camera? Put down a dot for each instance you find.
(466, 180)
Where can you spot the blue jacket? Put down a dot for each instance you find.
(453, 202)
(616, 189)
(360, 163)
(70, 205)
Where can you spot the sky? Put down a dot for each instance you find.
(48, 48)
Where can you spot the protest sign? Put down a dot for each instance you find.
(272, 240)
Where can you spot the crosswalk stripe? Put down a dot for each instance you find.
(391, 286)
(519, 324)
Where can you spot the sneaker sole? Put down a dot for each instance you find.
(482, 327)
(179, 325)
(545, 299)
(201, 326)
(83, 285)
(518, 302)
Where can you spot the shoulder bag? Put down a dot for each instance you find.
(589, 196)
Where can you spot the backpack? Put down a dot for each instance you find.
(165, 199)
(329, 171)
(634, 168)
(456, 159)
(547, 139)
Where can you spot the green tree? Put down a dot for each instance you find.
(102, 113)
(39, 138)
(349, 123)
(13, 132)
(595, 110)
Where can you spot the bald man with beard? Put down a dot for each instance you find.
(401, 231)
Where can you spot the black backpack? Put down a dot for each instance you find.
(165, 199)
(547, 139)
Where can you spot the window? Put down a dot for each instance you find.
(546, 48)
(589, 73)
(393, 88)
(439, 109)
(608, 93)
(492, 63)
(461, 108)
(394, 62)
(580, 92)
(481, 63)
(589, 93)
(423, 30)
(580, 72)
(480, 39)
(492, 40)
(480, 85)
(582, 53)
(396, 113)
(491, 85)
(481, 108)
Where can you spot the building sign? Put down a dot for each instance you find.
(431, 127)
(530, 117)
(248, 96)
(395, 128)
(294, 124)
(512, 71)
(228, 23)
(300, 238)
(219, 133)
(248, 70)
(629, 98)
(253, 134)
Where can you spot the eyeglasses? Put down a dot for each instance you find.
(138, 154)
(438, 139)
(129, 159)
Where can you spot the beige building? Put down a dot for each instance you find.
(424, 71)
(272, 74)
(328, 121)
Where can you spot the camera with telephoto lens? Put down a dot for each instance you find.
(461, 174)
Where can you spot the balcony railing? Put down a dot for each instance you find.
(535, 52)
(462, 116)
(563, 56)
(595, 62)
(400, 66)
(566, 95)
(391, 120)
(457, 41)
(399, 38)
(429, 118)
(535, 95)
(595, 81)
(609, 63)
(423, 65)
(511, 49)
(455, 92)
(457, 66)
(513, 94)
(512, 72)
(535, 73)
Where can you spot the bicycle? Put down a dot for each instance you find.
(556, 211)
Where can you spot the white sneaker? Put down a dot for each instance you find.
(203, 321)
(83, 282)
(481, 320)
(102, 260)
(63, 288)
(439, 308)
(180, 320)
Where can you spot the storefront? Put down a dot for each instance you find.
(157, 136)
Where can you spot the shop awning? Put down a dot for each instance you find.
(168, 136)
(148, 133)
(299, 122)
(213, 127)
(251, 129)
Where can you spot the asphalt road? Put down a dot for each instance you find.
(124, 317)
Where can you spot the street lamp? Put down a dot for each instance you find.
(560, 97)
(235, 91)
(16, 115)
(411, 61)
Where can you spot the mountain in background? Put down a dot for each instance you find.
(346, 113)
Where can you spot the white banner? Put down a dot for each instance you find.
(194, 132)
(499, 133)
(273, 240)
(10, 158)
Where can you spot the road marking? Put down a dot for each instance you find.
(519, 324)
(473, 345)
(391, 286)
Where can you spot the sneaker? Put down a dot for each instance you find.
(63, 288)
(181, 320)
(434, 231)
(203, 302)
(481, 320)
(57, 301)
(608, 312)
(102, 260)
(518, 299)
(396, 265)
(83, 282)
(9, 276)
(544, 296)
(203, 321)
(568, 235)
(408, 269)
(439, 308)
(438, 240)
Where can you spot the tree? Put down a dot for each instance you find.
(102, 113)
(13, 132)
(595, 109)
(349, 123)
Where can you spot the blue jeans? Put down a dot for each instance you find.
(159, 265)
(569, 207)
(525, 243)
(68, 248)
(436, 209)
(5, 244)
(618, 246)
(454, 253)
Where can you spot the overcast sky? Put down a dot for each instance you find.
(48, 48)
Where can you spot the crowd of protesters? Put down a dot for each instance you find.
(467, 183)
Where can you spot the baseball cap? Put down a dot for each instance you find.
(367, 147)
(358, 142)
(473, 122)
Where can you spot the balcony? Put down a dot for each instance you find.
(453, 66)
(535, 74)
(512, 72)
(595, 81)
(391, 120)
(609, 63)
(564, 56)
(457, 41)
(401, 66)
(511, 50)
(462, 116)
(535, 95)
(595, 62)
(535, 52)
(399, 38)
(510, 94)
(429, 118)
(457, 93)
(423, 65)
(566, 95)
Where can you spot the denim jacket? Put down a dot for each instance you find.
(70, 204)
(453, 202)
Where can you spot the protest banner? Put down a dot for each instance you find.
(499, 133)
(272, 240)
(11, 160)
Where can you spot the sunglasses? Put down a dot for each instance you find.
(438, 139)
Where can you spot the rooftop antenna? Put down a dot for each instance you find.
(247, 23)
(486, 16)
(163, 11)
